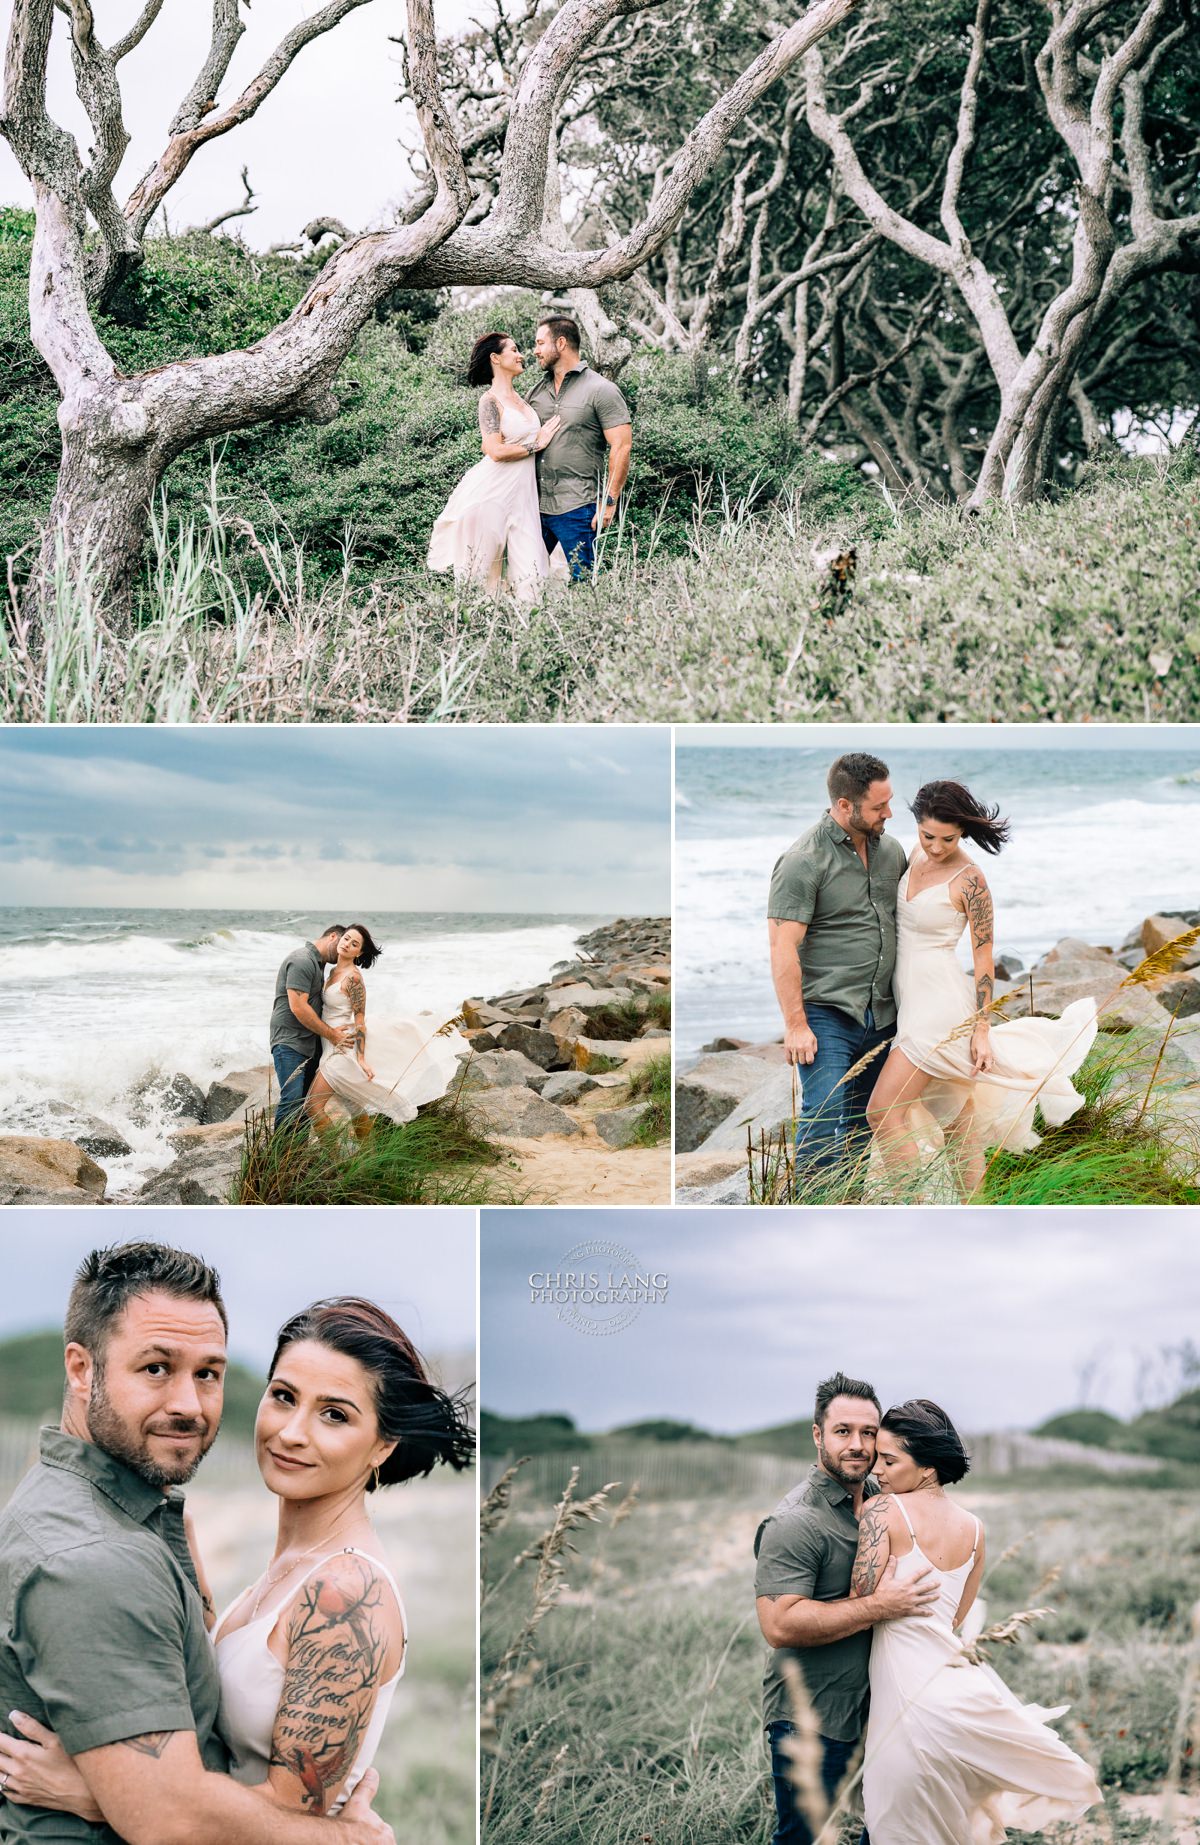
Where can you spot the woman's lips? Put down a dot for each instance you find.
(283, 1460)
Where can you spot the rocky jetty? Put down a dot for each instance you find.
(737, 1085)
(547, 1062)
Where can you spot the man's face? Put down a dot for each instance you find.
(867, 817)
(154, 1397)
(846, 1442)
(546, 349)
(327, 947)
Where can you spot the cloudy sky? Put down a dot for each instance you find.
(326, 141)
(996, 1315)
(947, 738)
(560, 820)
(418, 1264)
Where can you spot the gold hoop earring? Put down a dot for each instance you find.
(375, 1480)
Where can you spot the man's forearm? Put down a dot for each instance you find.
(304, 1014)
(219, 1811)
(618, 470)
(809, 1623)
(789, 986)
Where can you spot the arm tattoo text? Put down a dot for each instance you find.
(873, 1547)
(337, 1644)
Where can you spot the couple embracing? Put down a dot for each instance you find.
(129, 1710)
(319, 1041)
(886, 1025)
(554, 465)
(865, 1572)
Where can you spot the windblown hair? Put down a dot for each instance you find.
(839, 1385)
(562, 327)
(852, 775)
(929, 1437)
(108, 1279)
(479, 365)
(426, 1424)
(955, 805)
(371, 949)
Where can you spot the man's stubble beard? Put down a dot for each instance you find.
(831, 1467)
(108, 1432)
(859, 825)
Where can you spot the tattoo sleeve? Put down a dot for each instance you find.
(977, 902)
(489, 416)
(356, 994)
(874, 1546)
(984, 988)
(152, 1743)
(337, 1641)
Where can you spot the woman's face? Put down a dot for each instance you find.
(895, 1468)
(350, 946)
(317, 1431)
(509, 359)
(939, 840)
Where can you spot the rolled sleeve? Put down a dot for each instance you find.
(297, 972)
(100, 1634)
(790, 1558)
(795, 882)
(611, 408)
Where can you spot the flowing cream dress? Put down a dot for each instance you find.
(415, 1060)
(935, 997)
(492, 517)
(952, 1756)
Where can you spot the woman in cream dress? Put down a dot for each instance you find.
(310, 1654)
(952, 1756)
(392, 1069)
(492, 519)
(979, 1081)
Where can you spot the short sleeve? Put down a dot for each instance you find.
(100, 1634)
(611, 408)
(296, 972)
(794, 884)
(790, 1555)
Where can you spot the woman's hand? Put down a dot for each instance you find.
(981, 1048)
(547, 433)
(366, 1069)
(38, 1772)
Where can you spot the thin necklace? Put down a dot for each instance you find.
(270, 1583)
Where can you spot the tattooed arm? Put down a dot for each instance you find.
(356, 994)
(344, 1639)
(974, 899)
(494, 443)
(874, 1548)
(153, 1789)
(206, 1595)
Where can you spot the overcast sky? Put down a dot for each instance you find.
(994, 1314)
(564, 820)
(419, 1264)
(326, 141)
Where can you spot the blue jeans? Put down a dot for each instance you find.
(294, 1073)
(791, 1828)
(573, 531)
(833, 1119)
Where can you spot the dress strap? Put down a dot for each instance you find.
(904, 1515)
(975, 1546)
(350, 1551)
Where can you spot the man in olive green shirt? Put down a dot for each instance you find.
(103, 1638)
(805, 1555)
(832, 922)
(594, 440)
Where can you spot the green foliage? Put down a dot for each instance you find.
(548, 1434)
(652, 1079)
(1095, 1427)
(437, 1159)
(31, 1382)
(662, 1428)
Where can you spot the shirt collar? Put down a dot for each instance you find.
(840, 836)
(126, 1489)
(832, 1490)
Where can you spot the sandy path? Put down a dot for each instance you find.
(585, 1170)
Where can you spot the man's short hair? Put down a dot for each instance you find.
(562, 327)
(852, 775)
(332, 929)
(839, 1385)
(109, 1279)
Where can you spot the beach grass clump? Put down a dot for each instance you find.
(652, 1080)
(626, 1018)
(440, 1158)
(1079, 608)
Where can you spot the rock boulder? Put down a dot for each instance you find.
(38, 1171)
(518, 1114)
(237, 1094)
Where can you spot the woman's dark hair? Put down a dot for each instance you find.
(955, 805)
(479, 366)
(426, 1424)
(930, 1438)
(371, 950)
